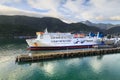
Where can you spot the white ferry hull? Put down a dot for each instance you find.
(49, 46)
(61, 41)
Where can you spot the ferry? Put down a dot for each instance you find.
(62, 41)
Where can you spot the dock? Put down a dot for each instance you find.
(62, 55)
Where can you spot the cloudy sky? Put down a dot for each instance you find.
(107, 11)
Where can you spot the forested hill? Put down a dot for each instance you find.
(114, 30)
(23, 25)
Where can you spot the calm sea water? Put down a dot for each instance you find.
(106, 67)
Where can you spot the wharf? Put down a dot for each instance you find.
(60, 55)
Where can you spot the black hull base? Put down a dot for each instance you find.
(59, 48)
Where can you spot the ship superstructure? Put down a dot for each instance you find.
(61, 41)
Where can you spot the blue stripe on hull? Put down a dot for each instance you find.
(60, 47)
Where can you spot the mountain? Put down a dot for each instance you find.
(23, 25)
(99, 25)
(114, 30)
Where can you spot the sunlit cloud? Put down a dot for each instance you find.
(115, 18)
(9, 1)
(100, 17)
(66, 10)
(4, 10)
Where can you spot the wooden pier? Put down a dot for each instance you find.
(60, 55)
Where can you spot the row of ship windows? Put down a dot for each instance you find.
(89, 40)
(60, 37)
(61, 41)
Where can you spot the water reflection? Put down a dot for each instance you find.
(105, 67)
(99, 57)
(49, 68)
(95, 64)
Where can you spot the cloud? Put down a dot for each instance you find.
(115, 18)
(66, 10)
(9, 1)
(106, 8)
(77, 10)
(48, 5)
(4, 10)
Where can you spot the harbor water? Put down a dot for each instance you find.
(105, 67)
